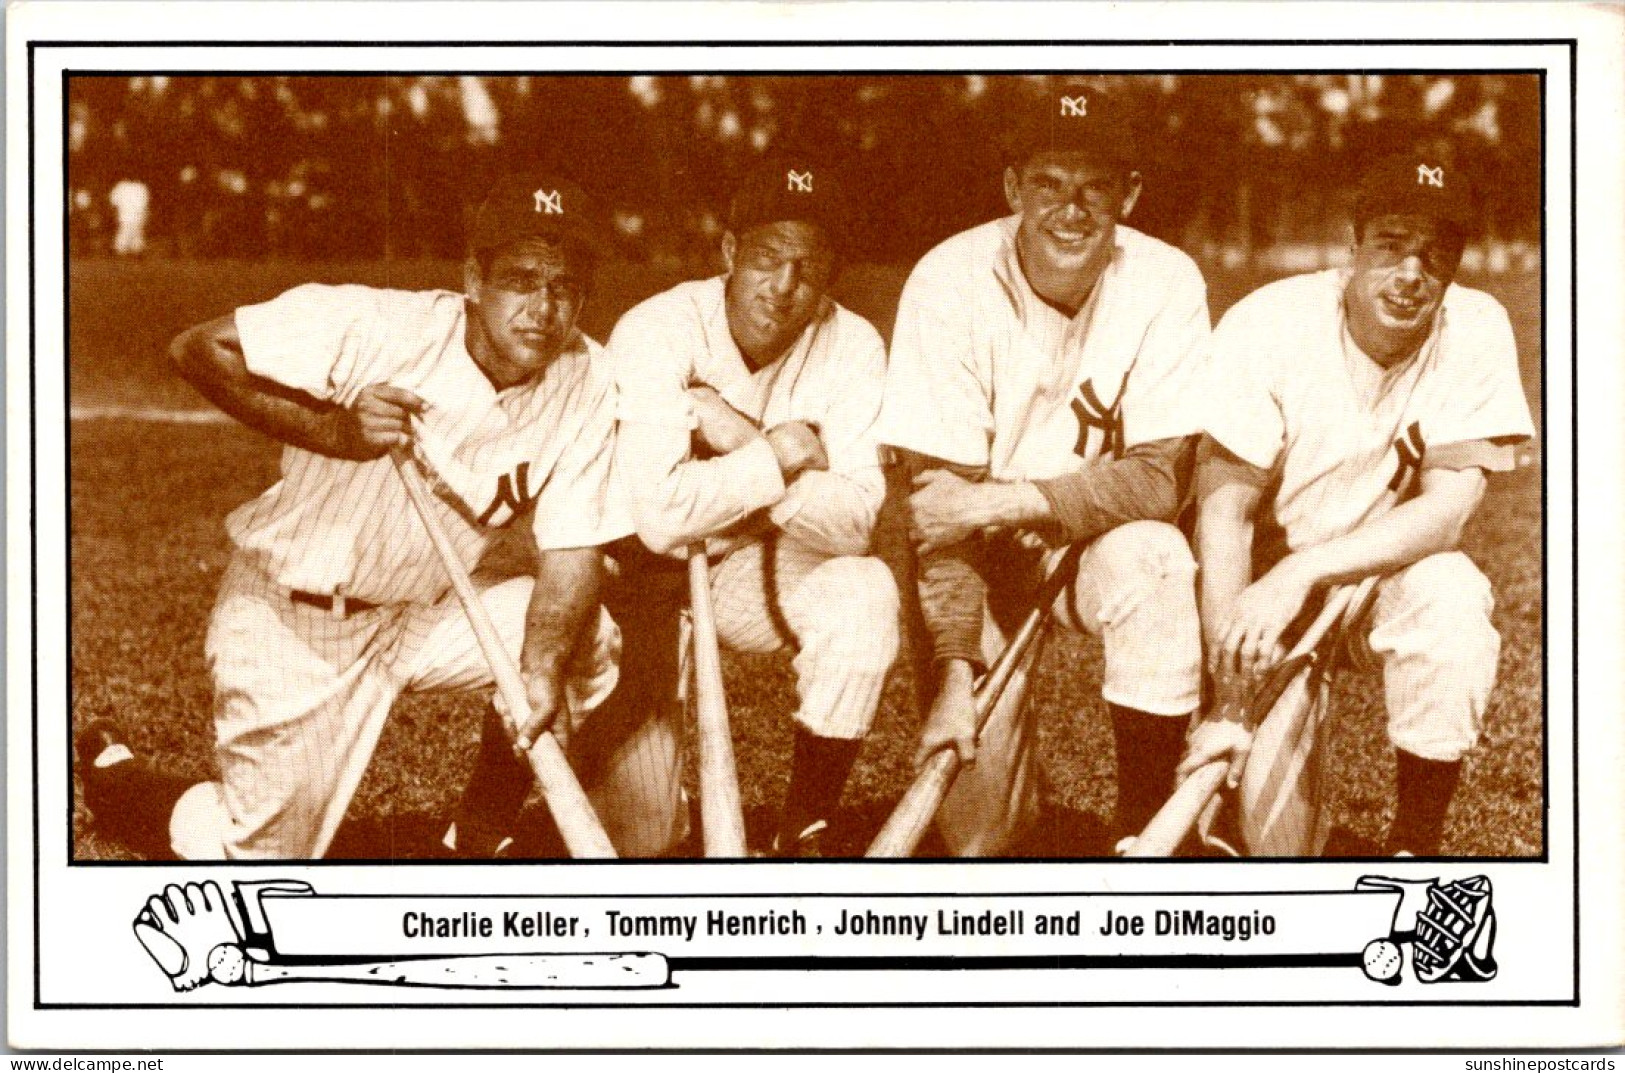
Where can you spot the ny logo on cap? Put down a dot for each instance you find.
(800, 181)
(549, 202)
(1426, 176)
(1078, 105)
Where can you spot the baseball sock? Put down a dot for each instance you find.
(818, 774)
(496, 791)
(1148, 750)
(131, 801)
(1425, 790)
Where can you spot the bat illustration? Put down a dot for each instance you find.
(722, 818)
(583, 835)
(229, 965)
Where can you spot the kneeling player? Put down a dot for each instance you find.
(1332, 390)
(335, 601)
(1041, 391)
(747, 405)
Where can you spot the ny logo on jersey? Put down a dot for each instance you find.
(1093, 414)
(513, 493)
(799, 182)
(1426, 176)
(1075, 106)
(1410, 449)
(549, 202)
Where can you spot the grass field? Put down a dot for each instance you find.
(149, 497)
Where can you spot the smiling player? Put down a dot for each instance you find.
(1043, 391)
(1330, 390)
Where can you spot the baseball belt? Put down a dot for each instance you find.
(337, 604)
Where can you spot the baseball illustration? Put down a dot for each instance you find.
(227, 964)
(1381, 960)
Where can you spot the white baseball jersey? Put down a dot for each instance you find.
(1292, 393)
(984, 372)
(334, 526)
(832, 376)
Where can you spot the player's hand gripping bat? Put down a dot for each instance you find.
(583, 835)
(722, 819)
(918, 807)
(1280, 801)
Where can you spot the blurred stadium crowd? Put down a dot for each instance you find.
(366, 167)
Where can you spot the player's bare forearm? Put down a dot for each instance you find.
(1230, 493)
(952, 718)
(1430, 523)
(563, 607)
(210, 358)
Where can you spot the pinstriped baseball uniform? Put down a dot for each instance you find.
(1294, 394)
(984, 373)
(301, 691)
(809, 582)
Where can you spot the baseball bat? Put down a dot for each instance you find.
(583, 835)
(919, 804)
(495, 971)
(1281, 800)
(722, 818)
(1168, 828)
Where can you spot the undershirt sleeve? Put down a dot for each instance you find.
(1149, 482)
(952, 591)
(1492, 456)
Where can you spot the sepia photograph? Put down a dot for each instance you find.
(387, 391)
(712, 531)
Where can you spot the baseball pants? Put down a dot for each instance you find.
(1135, 590)
(302, 695)
(838, 613)
(1431, 632)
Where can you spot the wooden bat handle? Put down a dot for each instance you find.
(722, 817)
(913, 815)
(1344, 603)
(583, 835)
(496, 971)
(1175, 819)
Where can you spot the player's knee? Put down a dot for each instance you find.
(857, 614)
(1146, 554)
(200, 827)
(1449, 579)
(1446, 597)
(1145, 575)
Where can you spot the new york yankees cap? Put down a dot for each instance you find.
(787, 188)
(1098, 123)
(1414, 184)
(535, 206)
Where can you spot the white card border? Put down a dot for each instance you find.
(1596, 868)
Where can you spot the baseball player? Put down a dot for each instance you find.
(746, 410)
(1040, 392)
(1330, 390)
(334, 601)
